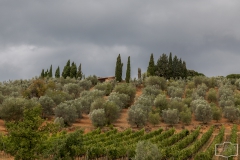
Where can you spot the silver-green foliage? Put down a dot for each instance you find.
(170, 116)
(47, 105)
(137, 116)
(203, 112)
(146, 150)
(120, 99)
(97, 117)
(67, 111)
(161, 102)
(159, 82)
(231, 113)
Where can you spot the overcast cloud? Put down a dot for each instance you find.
(36, 34)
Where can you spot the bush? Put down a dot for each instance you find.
(12, 108)
(93, 79)
(112, 111)
(170, 116)
(154, 118)
(121, 100)
(160, 82)
(188, 93)
(187, 101)
(67, 111)
(136, 116)
(128, 89)
(58, 96)
(186, 116)
(176, 103)
(231, 113)
(217, 113)
(145, 100)
(212, 95)
(47, 105)
(161, 102)
(72, 89)
(97, 117)
(59, 121)
(97, 104)
(151, 90)
(106, 87)
(146, 150)
(85, 84)
(197, 102)
(203, 113)
(175, 92)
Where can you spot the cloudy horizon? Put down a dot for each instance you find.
(37, 34)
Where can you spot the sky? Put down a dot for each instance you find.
(37, 34)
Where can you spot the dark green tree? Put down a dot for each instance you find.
(57, 73)
(46, 73)
(128, 72)
(185, 71)
(170, 66)
(66, 70)
(118, 70)
(175, 67)
(73, 70)
(151, 66)
(26, 137)
(42, 74)
(79, 72)
(162, 66)
(50, 71)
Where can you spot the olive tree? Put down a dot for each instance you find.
(203, 113)
(170, 116)
(137, 116)
(47, 105)
(97, 117)
(231, 113)
(119, 99)
(161, 102)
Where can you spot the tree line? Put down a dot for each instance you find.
(69, 70)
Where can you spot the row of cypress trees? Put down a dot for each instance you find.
(118, 70)
(69, 71)
(167, 67)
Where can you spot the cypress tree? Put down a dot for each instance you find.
(170, 66)
(175, 65)
(162, 66)
(118, 69)
(66, 70)
(151, 66)
(185, 71)
(73, 70)
(57, 73)
(128, 72)
(42, 74)
(79, 72)
(46, 73)
(50, 71)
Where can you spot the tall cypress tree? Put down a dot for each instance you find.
(170, 66)
(50, 71)
(57, 73)
(175, 65)
(118, 69)
(79, 72)
(151, 66)
(185, 71)
(162, 66)
(66, 70)
(73, 70)
(42, 74)
(128, 72)
(46, 73)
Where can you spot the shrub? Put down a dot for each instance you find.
(175, 92)
(145, 100)
(85, 84)
(59, 121)
(58, 96)
(212, 95)
(47, 105)
(170, 116)
(217, 113)
(112, 112)
(176, 103)
(231, 113)
(151, 90)
(128, 89)
(136, 116)
(187, 101)
(121, 100)
(93, 79)
(72, 88)
(186, 116)
(106, 87)
(188, 93)
(161, 102)
(196, 102)
(203, 113)
(97, 117)
(160, 82)
(154, 118)
(67, 111)
(97, 104)
(146, 150)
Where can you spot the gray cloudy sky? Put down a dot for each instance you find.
(35, 34)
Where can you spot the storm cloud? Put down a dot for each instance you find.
(36, 34)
